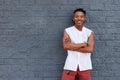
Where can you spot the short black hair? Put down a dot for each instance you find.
(81, 10)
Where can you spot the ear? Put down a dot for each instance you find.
(73, 19)
(85, 19)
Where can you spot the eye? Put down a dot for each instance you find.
(76, 16)
(82, 16)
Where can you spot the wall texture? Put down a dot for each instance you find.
(31, 33)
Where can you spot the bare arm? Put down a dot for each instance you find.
(67, 45)
(90, 47)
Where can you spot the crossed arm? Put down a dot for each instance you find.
(80, 47)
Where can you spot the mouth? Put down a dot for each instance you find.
(79, 22)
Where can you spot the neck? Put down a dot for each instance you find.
(79, 27)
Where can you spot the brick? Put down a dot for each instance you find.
(112, 19)
(94, 19)
(96, 13)
(116, 2)
(52, 78)
(97, 6)
(111, 13)
(38, 2)
(51, 74)
(71, 8)
(112, 7)
(76, 2)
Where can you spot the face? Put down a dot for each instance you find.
(79, 18)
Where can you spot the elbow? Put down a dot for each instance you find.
(91, 50)
(65, 47)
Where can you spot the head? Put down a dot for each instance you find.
(79, 17)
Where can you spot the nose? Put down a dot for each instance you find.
(79, 18)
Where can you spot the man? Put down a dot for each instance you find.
(79, 43)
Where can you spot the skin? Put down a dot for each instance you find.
(79, 19)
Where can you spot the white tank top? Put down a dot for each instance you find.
(74, 58)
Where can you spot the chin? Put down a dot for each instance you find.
(79, 24)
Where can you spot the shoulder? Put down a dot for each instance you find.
(87, 29)
(69, 28)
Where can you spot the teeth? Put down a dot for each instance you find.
(79, 21)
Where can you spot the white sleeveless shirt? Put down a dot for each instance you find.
(78, 59)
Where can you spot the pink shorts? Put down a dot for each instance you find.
(71, 75)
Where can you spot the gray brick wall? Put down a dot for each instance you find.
(31, 33)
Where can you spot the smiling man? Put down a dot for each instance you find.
(79, 43)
